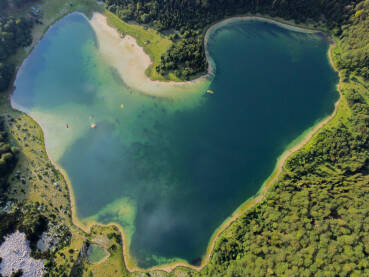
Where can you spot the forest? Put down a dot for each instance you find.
(7, 157)
(187, 22)
(14, 33)
(314, 221)
(14, 3)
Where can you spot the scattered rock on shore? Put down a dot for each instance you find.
(15, 253)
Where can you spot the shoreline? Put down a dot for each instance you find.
(227, 21)
(249, 203)
(259, 196)
(131, 61)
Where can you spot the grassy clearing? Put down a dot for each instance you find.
(34, 178)
(113, 265)
(40, 175)
(154, 43)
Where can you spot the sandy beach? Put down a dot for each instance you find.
(130, 60)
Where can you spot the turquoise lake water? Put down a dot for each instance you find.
(170, 171)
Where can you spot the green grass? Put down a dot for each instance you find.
(157, 46)
(113, 265)
(33, 163)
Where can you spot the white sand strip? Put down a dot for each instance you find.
(131, 61)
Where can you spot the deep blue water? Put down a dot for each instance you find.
(171, 171)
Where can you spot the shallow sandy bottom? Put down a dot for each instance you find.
(130, 61)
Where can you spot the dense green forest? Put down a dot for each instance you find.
(14, 33)
(354, 43)
(7, 157)
(314, 221)
(187, 21)
(14, 3)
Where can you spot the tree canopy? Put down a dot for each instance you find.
(314, 221)
(187, 20)
(7, 157)
(14, 33)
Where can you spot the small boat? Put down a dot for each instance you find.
(93, 125)
(210, 91)
(67, 126)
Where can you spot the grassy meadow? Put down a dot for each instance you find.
(154, 43)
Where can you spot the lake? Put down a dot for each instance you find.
(170, 171)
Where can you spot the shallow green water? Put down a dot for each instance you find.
(95, 253)
(171, 171)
